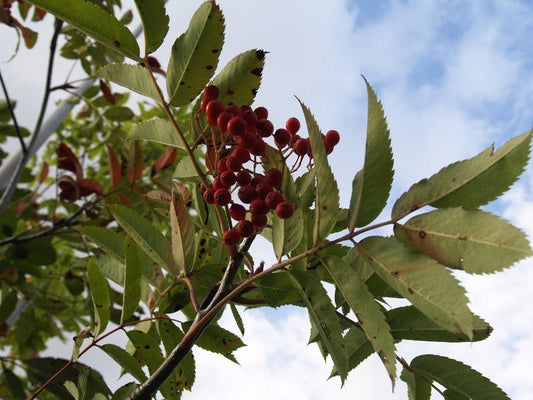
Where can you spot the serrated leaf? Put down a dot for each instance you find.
(132, 279)
(183, 235)
(457, 377)
(372, 184)
(371, 319)
(277, 289)
(110, 241)
(417, 388)
(195, 55)
(124, 392)
(221, 341)
(133, 77)
(470, 183)
(146, 235)
(287, 233)
(327, 191)
(409, 323)
(95, 22)
(115, 171)
(156, 130)
(240, 79)
(100, 297)
(322, 314)
(428, 285)
(237, 317)
(155, 23)
(357, 347)
(128, 362)
(472, 240)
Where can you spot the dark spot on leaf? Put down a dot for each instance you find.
(147, 347)
(410, 289)
(230, 92)
(182, 83)
(209, 67)
(395, 273)
(224, 342)
(116, 43)
(99, 305)
(463, 238)
(422, 234)
(257, 71)
(260, 54)
(324, 207)
(214, 51)
(326, 330)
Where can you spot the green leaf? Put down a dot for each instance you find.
(95, 22)
(417, 388)
(119, 114)
(155, 23)
(221, 341)
(111, 242)
(124, 392)
(133, 77)
(100, 296)
(323, 316)
(287, 233)
(156, 130)
(357, 347)
(195, 54)
(147, 347)
(132, 281)
(240, 79)
(183, 235)
(7, 305)
(372, 184)
(13, 383)
(457, 377)
(146, 235)
(128, 362)
(277, 289)
(472, 240)
(428, 285)
(408, 323)
(237, 317)
(371, 319)
(327, 192)
(470, 183)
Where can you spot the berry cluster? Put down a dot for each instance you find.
(236, 137)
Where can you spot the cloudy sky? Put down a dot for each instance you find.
(454, 77)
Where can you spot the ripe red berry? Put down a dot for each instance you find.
(332, 138)
(247, 140)
(222, 121)
(284, 209)
(246, 194)
(243, 178)
(228, 178)
(273, 199)
(221, 165)
(258, 178)
(259, 148)
(233, 109)
(209, 196)
(261, 112)
(233, 164)
(302, 146)
(245, 228)
(264, 127)
(250, 117)
(205, 101)
(236, 126)
(213, 110)
(211, 92)
(258, 207)
(222, 197)
(282, 137)
(259, 220)
(231, 237)
(274, 176)
(263, 188)
(293, 125)
(242, 154)
(294, 139)
(237, 212)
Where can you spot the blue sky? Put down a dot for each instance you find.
(454, 77)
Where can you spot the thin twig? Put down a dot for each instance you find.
(13, 117)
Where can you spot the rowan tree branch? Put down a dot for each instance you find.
(13, 116)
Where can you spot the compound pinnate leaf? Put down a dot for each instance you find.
(195, 54)
(372, 184)
(100, 296)
(428, 285)
(470, 183)
(327, 191)
(324, 318)
(95, 22)
(155, 23)
(457, 377)
(472, 240)
(131, 76)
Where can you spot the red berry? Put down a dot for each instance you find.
(241, 154)
(262, 189)
(250, 117)
(213, 110)
(222, 197)
(259, 220)
(228, 178)
(332, 138)
(236, 126)
(221, 165)
(258, 207)
(246, 194)
(302, 146)
(259, 148)
(294, 139)
(245, 228)
(273, 199)
(233, 109)
(247, 140)
(211, 92)
(231, 237)
(261, 112)
(205, 101)
(264, 127)
(258, 178)
(284, 209)
(209, 196)
(243, 178)
(274, 176)
(237, 212)
(282, 137)
(222, 121)
(233, 164)
(293, 125)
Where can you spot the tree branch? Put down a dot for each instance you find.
(13, 117)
